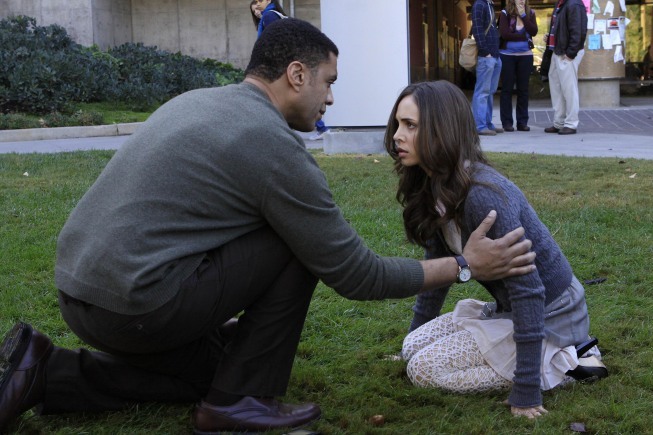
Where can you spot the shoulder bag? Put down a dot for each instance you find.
(469, 52)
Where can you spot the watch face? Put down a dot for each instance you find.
(465, 274)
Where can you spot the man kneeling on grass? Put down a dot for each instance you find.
(201, 216)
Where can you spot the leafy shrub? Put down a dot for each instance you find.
(86, 118)
(54, 119)
(149, 75)
(225, 73)
(13, 121)
(42, 70)
(17, 121)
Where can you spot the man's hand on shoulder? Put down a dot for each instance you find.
(494, 259)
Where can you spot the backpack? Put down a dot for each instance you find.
(282, 16)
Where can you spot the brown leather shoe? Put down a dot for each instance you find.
(523, 127)
(567, 130)
(23, 356)
(551, 130)
(252, 414)
(508, 128)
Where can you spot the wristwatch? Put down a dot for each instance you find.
(464, 272)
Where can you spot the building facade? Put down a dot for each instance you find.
(384, 45)
(217, 29)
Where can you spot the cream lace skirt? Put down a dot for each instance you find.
(466, 351)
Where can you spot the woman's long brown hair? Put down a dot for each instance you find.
(446, 138)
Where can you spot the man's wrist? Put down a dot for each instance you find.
(464, 271)
(439, 272)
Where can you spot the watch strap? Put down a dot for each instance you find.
(461, 261)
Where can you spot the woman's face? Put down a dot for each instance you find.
(255, 11)
(262, 4)
(405, 137)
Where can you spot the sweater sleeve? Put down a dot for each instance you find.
(428, 304)
(526, 293)
(296, 201)
(506, 31)
(530, 23)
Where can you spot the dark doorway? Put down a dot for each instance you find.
(436, 29)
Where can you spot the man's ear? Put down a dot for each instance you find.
(296, 73)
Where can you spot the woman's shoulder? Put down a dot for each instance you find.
(483, 171)
(487, 179)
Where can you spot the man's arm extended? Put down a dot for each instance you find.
(488, 259)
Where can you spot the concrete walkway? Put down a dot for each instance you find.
(622, 132)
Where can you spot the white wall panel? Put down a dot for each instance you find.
(372, 37)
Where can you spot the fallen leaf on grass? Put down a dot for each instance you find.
(578, 427)
(377, 420)
(395, 357)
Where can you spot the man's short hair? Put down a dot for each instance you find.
(285, 41)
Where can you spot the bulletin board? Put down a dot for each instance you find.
(604, 57)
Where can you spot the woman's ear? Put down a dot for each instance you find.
(296, 73)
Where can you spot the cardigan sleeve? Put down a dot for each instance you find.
(526, 293)
(428, 304)
(530, 23)
(508, 34)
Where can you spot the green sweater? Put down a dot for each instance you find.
(206, 168)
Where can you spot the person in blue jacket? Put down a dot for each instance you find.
(271, 11)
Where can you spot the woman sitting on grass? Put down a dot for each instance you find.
(528, 337)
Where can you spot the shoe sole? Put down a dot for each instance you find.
(591, 370)
(289, 430)
(12, 350)
(592, 378)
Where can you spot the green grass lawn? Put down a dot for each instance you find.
(599, 210)
(116, 113)
(103, 113)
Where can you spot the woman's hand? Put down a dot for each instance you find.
(494, 259)
(521, 7)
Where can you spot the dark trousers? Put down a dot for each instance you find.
(515, 70)
(175, 353)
